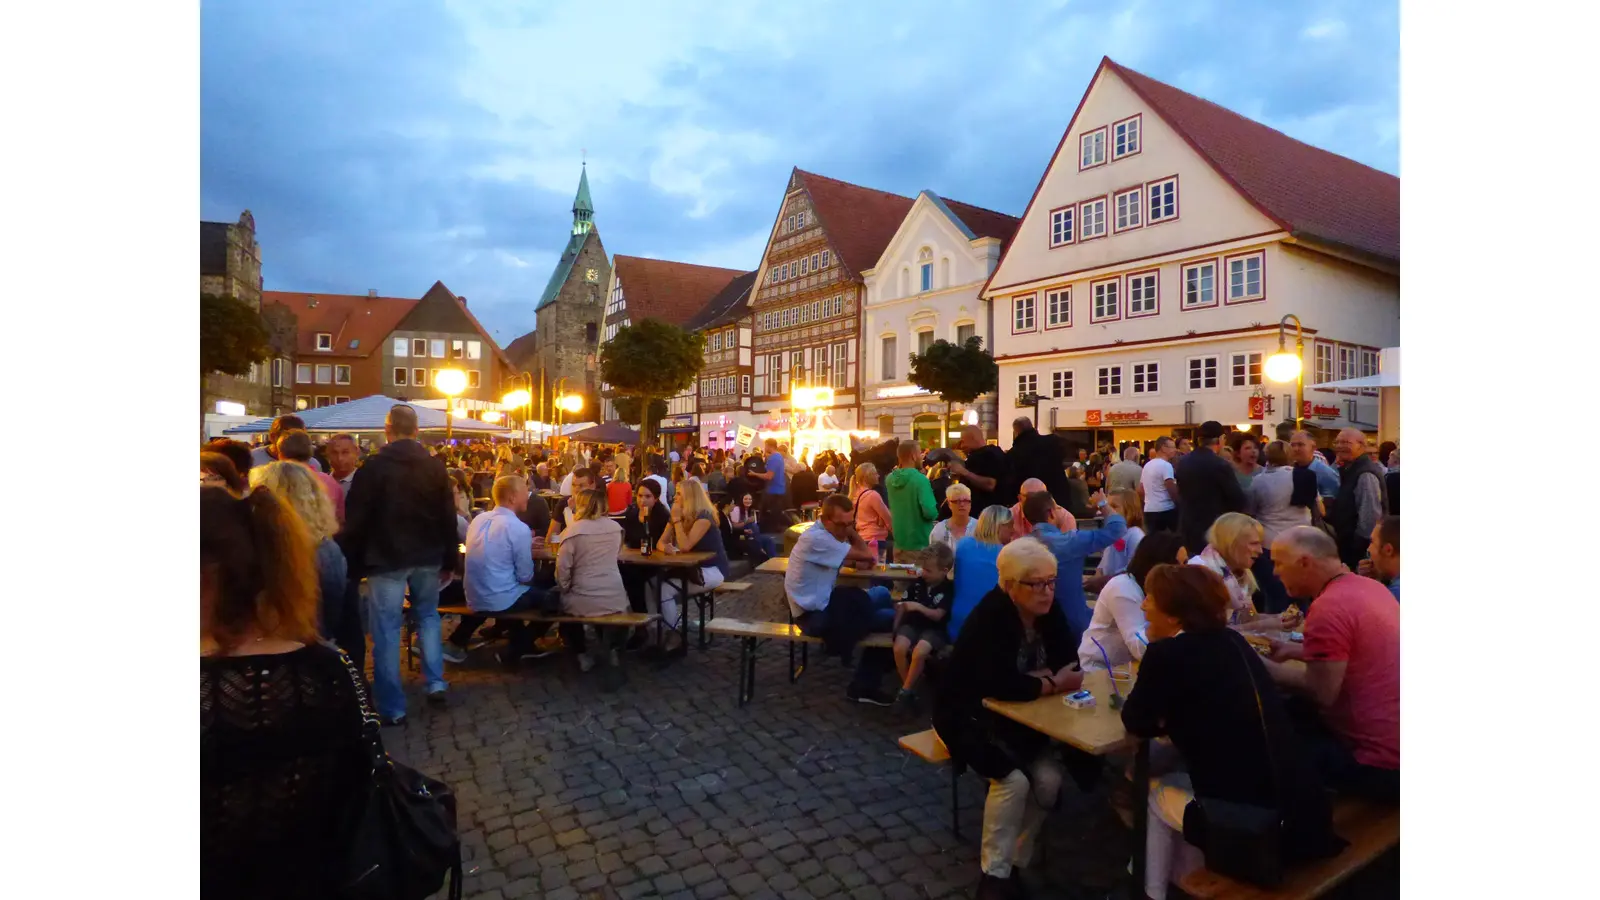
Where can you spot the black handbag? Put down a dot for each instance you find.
(1240, 840)
(401, 841)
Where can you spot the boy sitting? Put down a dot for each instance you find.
(919, 621)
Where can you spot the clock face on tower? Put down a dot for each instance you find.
(592, 275)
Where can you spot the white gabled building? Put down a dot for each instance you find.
(926, 286)
(1143, 290)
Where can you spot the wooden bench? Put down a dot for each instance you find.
(928, 747)
(706, 603)
(752, 634)
(615, 620)
(1371, 829)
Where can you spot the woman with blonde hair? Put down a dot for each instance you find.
(977, 570)
(299, 489)
(694, 528)
(950, 531)
(587, 573)
(1232, 544)
(1114, 559)
(872, 514)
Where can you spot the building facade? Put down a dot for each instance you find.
(927, 286)
(1143, 291)
(721, 396)
(230, 266)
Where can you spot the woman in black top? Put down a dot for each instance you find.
(1203, 686)
(644, 522)
(283, 762)
(1015, 645)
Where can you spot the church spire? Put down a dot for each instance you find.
(582, 206)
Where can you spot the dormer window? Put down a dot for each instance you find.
(925, 265)
(324, 341)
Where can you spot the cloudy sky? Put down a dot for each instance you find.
(388, 145)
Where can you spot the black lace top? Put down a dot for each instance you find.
(282, 765)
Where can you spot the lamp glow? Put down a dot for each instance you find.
(1244, 426)
(1283, 367)
(460, 412)
(571, 403)
(450, 382)
(491, 415)
(516, 399)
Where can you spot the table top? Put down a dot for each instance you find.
(1097, 730)
(547, 552)
(778, 565)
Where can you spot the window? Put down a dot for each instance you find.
(302, 373)
(324, 401)
(797, 363)
(1244, 278)
(1128, 209)
(433, 375)
(772, 276)
(716, 341)
(1110, 378)
(1347, 362)
(1146, 378)
(339, 400)
(785, 271)
(805, 265)
(1061, 384)
(1022, 314)
(800, 219)
(816, 310)
(1246, 369)
(1027, 384)
(826, 254)
(1144, 297)
(966, 332)
(1369, 367)
(819, 365)
(324, 341)
(1163, 200)
(1202, 373)
(890, 351)
(341, 374)
(1058, 308)
(838, 305)
(458, 349)
(324, 374)
(791, 223)
(1125, 138)
(419, 347)
(927, 276)
(1061, 226)
(277, 372)
(1092, 149)
(1092, 219)
(1200, 285)
(924, 341)
(774, 371)
(400, 348)
(419, 377)
(1324, 363)
(816, 261)
(474, 378)
(841, 364)
(744, 384)
(436, 347)
(400, 375)
(1105, 301)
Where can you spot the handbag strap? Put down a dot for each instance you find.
(370, 723)
(1261, 716)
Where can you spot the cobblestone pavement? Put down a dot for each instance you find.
(667, 788)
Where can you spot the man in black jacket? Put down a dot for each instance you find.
(1041, 456)
(400, 532)
(1207, 488)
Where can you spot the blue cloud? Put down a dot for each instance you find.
(389, 145)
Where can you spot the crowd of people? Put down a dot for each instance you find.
(1198, 546)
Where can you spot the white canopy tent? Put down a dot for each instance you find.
(367, 415)
(1387, 381)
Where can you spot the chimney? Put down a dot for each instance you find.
(463, 300)
(372, 292)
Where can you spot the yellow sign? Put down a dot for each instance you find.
(746, 436)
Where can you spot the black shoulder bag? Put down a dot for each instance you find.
(401, 841)
(1241, 840)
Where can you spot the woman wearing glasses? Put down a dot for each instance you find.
(950, 531)
(1015, 645)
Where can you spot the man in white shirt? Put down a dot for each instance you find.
(840, 615)
(1124, 476)
(581, 480)
(1160, 488)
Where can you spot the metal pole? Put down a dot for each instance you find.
(449, 417)
(1300, 353)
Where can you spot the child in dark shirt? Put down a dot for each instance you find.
(919, 620)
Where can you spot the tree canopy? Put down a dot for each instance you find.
(232, 336)
(958, 373)
(651, 360)
(628, 408)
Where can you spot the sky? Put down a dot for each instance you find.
(390, 145)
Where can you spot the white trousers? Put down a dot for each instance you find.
(668, 605)
(1167, 856)
(1014, 812)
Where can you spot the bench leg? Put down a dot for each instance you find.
(1141, 814)
(955, 800)
(747, 669)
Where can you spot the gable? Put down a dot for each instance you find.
(440, 311)
(932, 228)
(1163, 153)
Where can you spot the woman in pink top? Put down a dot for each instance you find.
(872, 514)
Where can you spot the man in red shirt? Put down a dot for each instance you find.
(1352, 664)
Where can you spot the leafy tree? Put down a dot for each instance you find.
(232, 336)
(628, 409)
(958, 373)
(651, 361)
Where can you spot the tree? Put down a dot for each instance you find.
(628, 409)
(232, 336)
(651, 361)
(958, 373)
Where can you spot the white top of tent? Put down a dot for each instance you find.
(367, 414)
(1388, 373)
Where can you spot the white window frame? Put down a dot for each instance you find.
(1058, 308)
(1347, 358)
(1244, 259)
(1190, 376)
(437, 349)
(303, 373)
(474, 349)
(419, 348)
(1215, 267)
(839, 374)
(1321, 374)
(337, 379)
(1027, 383)
(400, 376)
(324, 373)
(324, 341)
(1368, 367)
(1146, 377)
(402, 348)
(889, 352)
(1128, 135)
(961, 341)
(1103, 295)
(458, 349)
(1092, 148)
(1092, 219)
(277, 372)
(1062, 222)
(474, 378)
(1161, 190)
(1108, 381)
(1129, 206)
(1061, 384)
(419, 377)
(1024, 308)
(338, 400)
(925, 275)
(744, 384)
(1148, 295)
(716, 341)
(927, 330)
(1243, 359)
(827, 257)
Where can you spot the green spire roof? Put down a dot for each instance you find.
(583, 203)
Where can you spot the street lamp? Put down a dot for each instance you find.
(1283, 366)
(521, 400)
(450, 382)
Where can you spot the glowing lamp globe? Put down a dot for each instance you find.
(1283, 367)
(450, 382)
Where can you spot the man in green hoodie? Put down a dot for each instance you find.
(912, 510)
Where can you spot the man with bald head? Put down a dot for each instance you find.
(1351, 675)
(983, 471)
(1360, 503)
(1041, 456)
(1060, 517)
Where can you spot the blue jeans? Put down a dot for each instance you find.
(385, 615)
(856, 613)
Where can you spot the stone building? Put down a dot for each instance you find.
(230, 266)
(565, 342)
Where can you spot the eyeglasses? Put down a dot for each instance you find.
(963, 502)
(1048, 584)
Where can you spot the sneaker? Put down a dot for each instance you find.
(905, 702)
(453, 653)
(870, 695)
(438, 698)
(585, 662)
(550, 643)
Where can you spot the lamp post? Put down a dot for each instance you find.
(450, 382)
(568, 403)
(555, 403)
(1284, 366)
(520, 398)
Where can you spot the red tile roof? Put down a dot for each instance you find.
(1311, 192)
(348, 317)
(985, 222)
(860, 221)
(670, 292)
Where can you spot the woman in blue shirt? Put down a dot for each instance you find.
(976, 569)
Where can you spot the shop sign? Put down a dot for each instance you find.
(1127, 417)
(747, 435)
(1258, 408)
(1318, 411)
